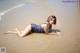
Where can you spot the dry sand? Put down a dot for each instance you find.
(68, 42)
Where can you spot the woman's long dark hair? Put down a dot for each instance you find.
(50, 17)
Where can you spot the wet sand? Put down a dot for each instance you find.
(68, 23)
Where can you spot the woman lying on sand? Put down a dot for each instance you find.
(43, 28)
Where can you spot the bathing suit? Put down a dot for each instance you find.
(38, 29)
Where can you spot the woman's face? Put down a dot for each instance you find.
(51, 21)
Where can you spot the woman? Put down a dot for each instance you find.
(43, 28)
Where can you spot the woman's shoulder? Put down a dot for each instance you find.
(45, 25)
(48, 25)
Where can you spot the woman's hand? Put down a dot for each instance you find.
(58, 33)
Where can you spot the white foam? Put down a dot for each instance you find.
(3, 13)
(31, 1)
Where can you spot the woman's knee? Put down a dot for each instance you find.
(29, 26)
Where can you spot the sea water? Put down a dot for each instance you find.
(9, 5)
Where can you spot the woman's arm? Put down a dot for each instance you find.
(45, 27)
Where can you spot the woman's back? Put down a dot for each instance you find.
(49, 26)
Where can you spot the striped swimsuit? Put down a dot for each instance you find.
(38, 29)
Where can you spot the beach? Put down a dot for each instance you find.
(18, 13)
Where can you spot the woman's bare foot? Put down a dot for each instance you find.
(16, 29)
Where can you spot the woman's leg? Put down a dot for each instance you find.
(20, 33)
(24, 32)
(10, 32)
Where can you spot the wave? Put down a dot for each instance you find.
(6, 11)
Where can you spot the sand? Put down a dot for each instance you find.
(68, 23)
